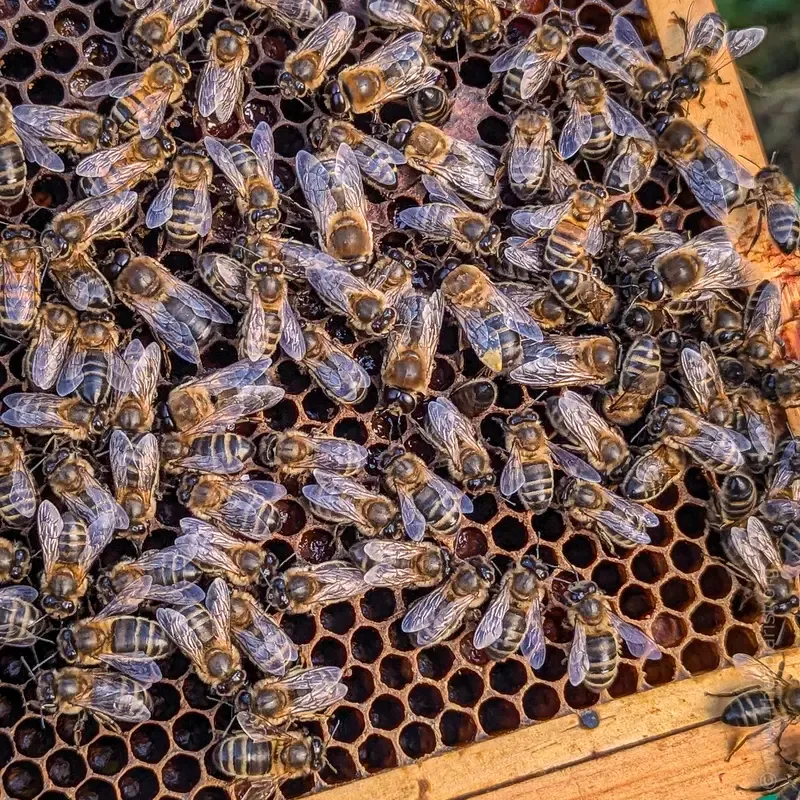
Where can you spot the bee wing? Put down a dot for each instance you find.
(145, 455)
(756, 670)
(128, 599)
(201, 207)
(516, 317)
(703, 35)
(334, 455)
(513, 477)
(508, 59)
(451, 614)
(102, 515)
(527, 158)
(37, 151)
(348, 176)
(177, 628)
(401, 51)
(536, 70)
(562, 179)
(631, 510)
(226, 276)
(71, 376)
(208, 553)
(221, 156)
(50, 122)
(624, 33)
(534, 645)
(255, 328)
(756, 549)
(331, 40)
(622, 122)
(239, 375)
(120, 454)
(432, 219)
(179, 13)
(576, 132)
(121, 86)
(315, 688)
(578, 663)
(766, 314)
(50, 526)
(378, 164)
(584, 425)
(396, 14)
(35, 410)
(602, 61)
(474, 156)
(151, 111)
(741, 42)
(413, 520)
(264, 147)
(23, 495)
(701, 375)
(424, 611)
(620, 526)
(100, 164)
(105, 211)
(141, 668)
(218, 603)
(336, 286)
(652, 472)
(639, 643)
(760, 430)
(292, 340)
(720, 445)
(525, 254)
(340, 580)
(113, 696)
(533, 219)
(447, 428)
(315, 182)
(161, 208)
(21, 299)
(572, 464)
(440, 193)
(343, 376)
(144, 365)
(490, 628)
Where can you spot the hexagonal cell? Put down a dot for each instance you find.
(636, 602)
(541, 702)
(609, 576)
(66, 768)
(346, 724)
(166, 701)
(508, 677)
(555, 665)
(386, 712)
(396, 672)
(338, 618)
(668, 630)
(329, 652)
(510, 534)
(497, 716)
(34, 737)
(108, 755)
(12, 707)
(660, 671)
(626, 681)
(708, 619)
(96, 789)
(360, 685)
(580, 551)
(578, 697)
(366, 645)
(22, 780)
(138, 783)
(377, 753)
(677, 594)
(700, 656)
(739, 639)
(378, 605)
(649, 566)
(192, 732)
(435, 662)
(691, 520)
(425, 700)
(465, 688)
(340, 767)
(149, 743)
(417, 740)
(470, 542)
(686, 556)
(667, 500)
(181, 773)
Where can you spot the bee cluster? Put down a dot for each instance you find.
(386, 361)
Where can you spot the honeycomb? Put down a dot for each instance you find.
(401, 704)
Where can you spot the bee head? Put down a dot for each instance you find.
(399, 400)
(335, 99)
(490, 241)
(450, 265)
(141, 49)
(54, 245)
(534, 565)
(277, 596)
(119, 261)
(66, 645)
(55, 460)
(657, 420)
(180, 66)
(389, 455)
(57, 607)
(244, 700)
(478, 484)
(318, 132)
(20, 563)
(652, 285)
(788, 605)
(384, 322)
(46, 694)
(658, 96)
(449, 33)
(187, 484)
(577, 592)
(400, 133)
(290, 87)
(484, 569)
(232, 684)
(262, 219)
(638, 320)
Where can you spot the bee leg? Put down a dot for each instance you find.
(743, 739)
(732, 694)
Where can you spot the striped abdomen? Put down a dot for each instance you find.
(200, 622)
(16, 615)
(784, 225)
(225, 446)
(565, 245)
(441, 512)
(182, 227)
(170, 574)
(124, 114)
(245, 159)
(748, 709)
(510, 344)
(600, 141)
(95, 388)
(200, 327)
(71, 544)
(242, 757)
(603, 653)
(12, 172)
(514, 626)
(8, 510)
(136, 635)
(537, 491)
(512, 87)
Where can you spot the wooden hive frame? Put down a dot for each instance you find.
(667, 742)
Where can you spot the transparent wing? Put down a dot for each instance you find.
(508, 59)
(23, 495)
(536, 71)
(142, 668)
(583, 424)
(490, 627)
(622, 122)
(534, 220)
(292, 340)
(639, 643)
(413, 520)
(341, 580)
(377, 161)
(128, 599)
(534, 645)
(448, 428)
(100, 164)
(264, 147)
(766, 315)
(315, 182)
(218, 603)
(314, 689)
(578, 663)
(703, 35)
(432, 219)
(36, 150)
(113, 696)
(221, 156)
(51, 122)
(576, 132)
(572, 464)
(106, 211)
(626, 34)
(121, 86)
(50, 526)
(607, 64)
(741, 42)
(331, 40)
(513, 477)
(177, 628)
(161, 208)
(151, 111)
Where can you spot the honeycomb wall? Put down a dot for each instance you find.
(401, 704)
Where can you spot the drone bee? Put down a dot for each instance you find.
(342, 378)
(292, 14)
(21, 266)
(578, 422)
(459, 166)
(616, 521)
(306, 68)
(296, 453)
(202, 633)
(402, 564)
(45, 415)
(134, 409)
(18, 493)
(737, 498)
(334, 192)
(716, 179)
(178, 314)
(19, 619)
(594, 118)
(568, 361)
(158, 28)
(220, 87)
(513, 618)
(776, 199)
(144, 97)
(762, 320)
(449, 219)
(250, 171)
(639, 380)
(342, 501)
(452, 434)
(436, 22)
(392, 72)
(529, 65)
(303, 588)
(596, 646)
(15, 561)
(134, 468)
(299, 695)
(653, 472)
(436, 616)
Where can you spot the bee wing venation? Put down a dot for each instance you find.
(114, 697)
(423, 611)
(578, 662)
(576, 132)
(534, 645)
(161, 210)
(177, 628)
(639, 643)
(741, 42)
(142, 668)
(573, 465)
(222, 157)
(490, 628)
(533, 220)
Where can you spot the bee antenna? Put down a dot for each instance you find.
(496, 568)
(287, 559)
(639, 432)
(754, 163)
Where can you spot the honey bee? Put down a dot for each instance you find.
(377, 160)
(712, 446)
(292, 14)
(513, 618)
(366, 309)
(127, 164)
(183, 205)
(240, 563)
(220, 87)
(436, 616)
(157, 30)
(15, 562)
(575, 226)
(754, 420)
(19, 619)
(133, 410)
(584, 294)
(762, 319)
(473, 398)
(21, 265)
(426, 500)
(306, 68)
(342, 501)
(297, 453)
(18, 494)
(438, 24)
(622, 56)
(452, 434)
(641, 249)
(579, 423)
(639, 379)
(776, 199)
(449, 219)
(342, 378)
(68, 550)
(179, 315)
(392, 72)
(715, 178)
(250, 171)
(134, 468)
(299, 695)
(144, 97)
(653, 472)
(402, 564)
(303, 588)
(737, 498)
(594, 118)
(433, 104)
(529, 65)
(495, 326)
(45, 415)
(703, 43)
(459, 166)
(202, 634)
(703, 385)
(753, 552)
(393, 275)
(596, 646)
(258, 636)
(19, 143)
(266, 761)
(116, 639)
(334, 192)
(239, 508)
(568, 361)
(108, 696)
(542, 304)
(631, 165)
